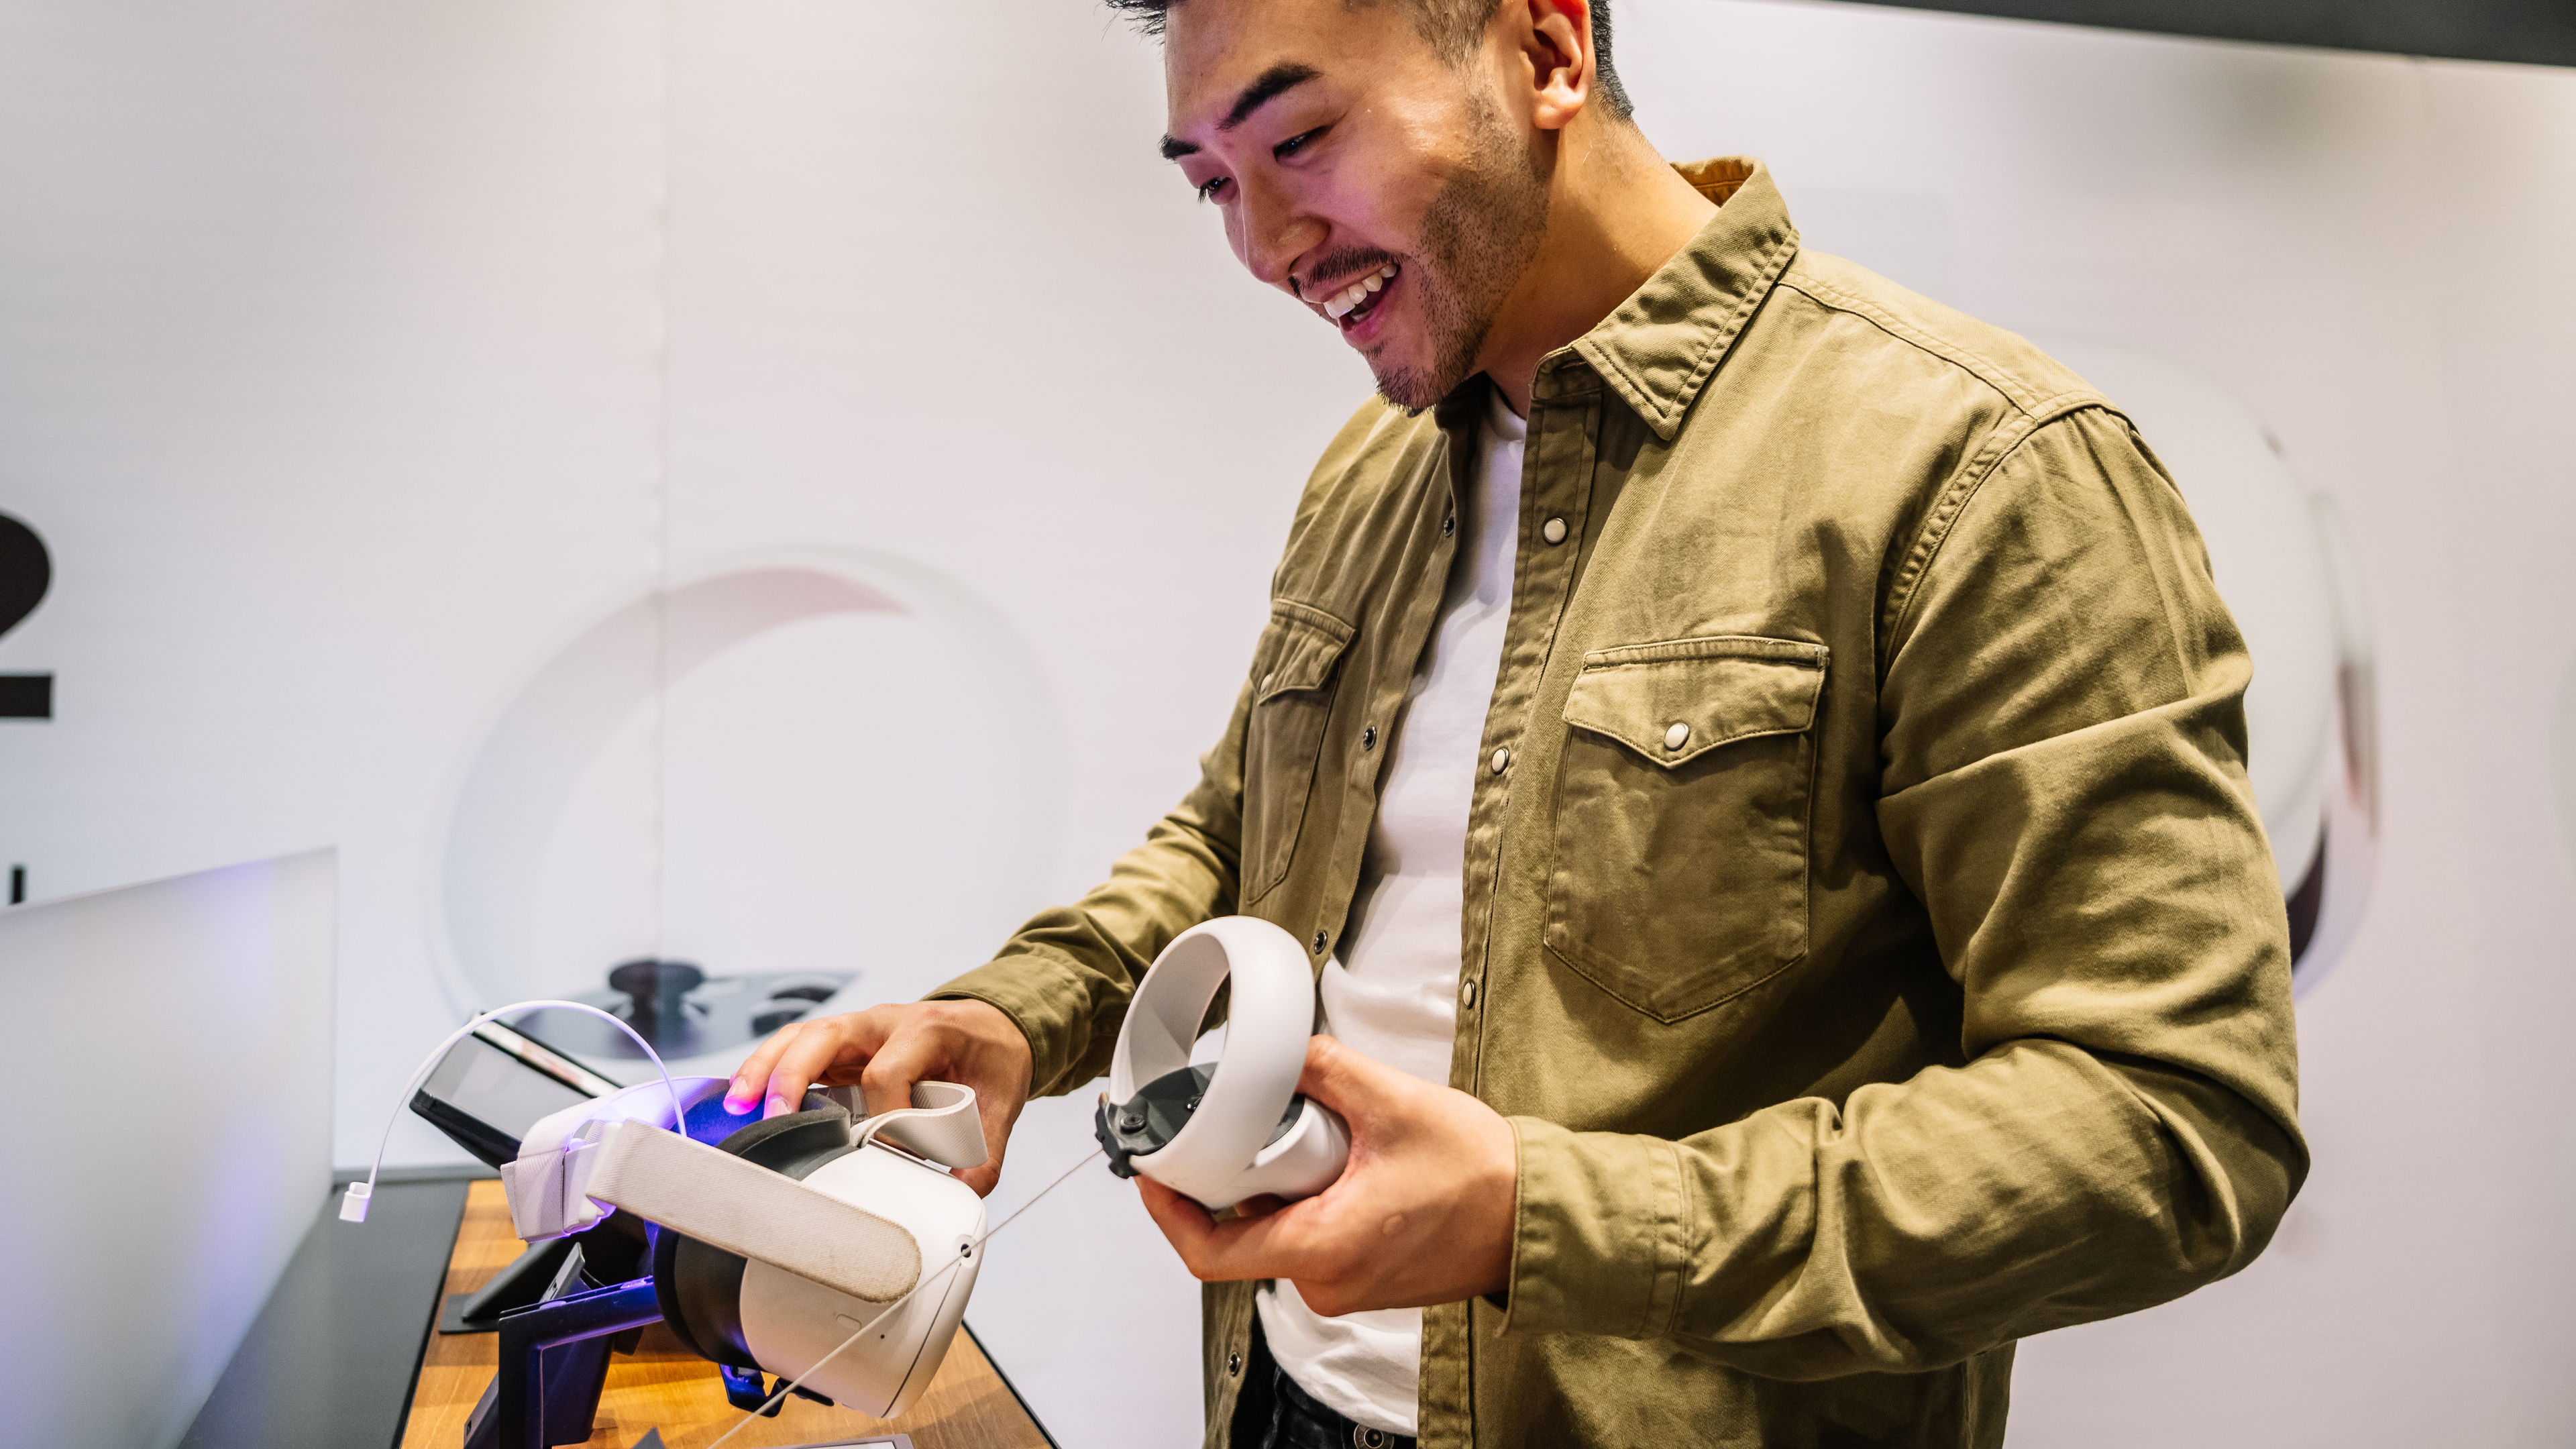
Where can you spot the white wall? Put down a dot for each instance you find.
(354, 357)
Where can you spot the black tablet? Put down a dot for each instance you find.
(493, 1086)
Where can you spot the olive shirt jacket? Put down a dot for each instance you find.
(1868, 931)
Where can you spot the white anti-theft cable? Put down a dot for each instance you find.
(353, 1208)
(785, 1388)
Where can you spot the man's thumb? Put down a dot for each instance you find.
(1338, 1077)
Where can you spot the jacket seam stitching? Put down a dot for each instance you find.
(1944, 515)
(1677, 1253)
(1978, 365)
(1587, 973)
(1269, 686)
(1588, 456)
(1664, 414)
(1950, 508)
(1671, 760)
(1775, 266)
(1292, 610)
(1602, 661)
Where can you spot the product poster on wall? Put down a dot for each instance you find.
(708, 523)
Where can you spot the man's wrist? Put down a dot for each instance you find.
(1042, 997)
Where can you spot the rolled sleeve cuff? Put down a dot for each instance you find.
(1046, 998)
(1599, 1232)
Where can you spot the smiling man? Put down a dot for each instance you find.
(1758, 760)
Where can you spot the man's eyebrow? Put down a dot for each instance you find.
(1265, 88)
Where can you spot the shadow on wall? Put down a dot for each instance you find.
(2284, 564)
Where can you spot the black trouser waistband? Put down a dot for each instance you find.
(1272, 1412)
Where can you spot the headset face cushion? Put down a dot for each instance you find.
(699, 1286)
(795, 1144)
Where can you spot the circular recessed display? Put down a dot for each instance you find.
(783, 776)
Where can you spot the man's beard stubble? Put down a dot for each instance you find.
(1477, 239)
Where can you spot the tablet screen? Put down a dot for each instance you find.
(496, 1084)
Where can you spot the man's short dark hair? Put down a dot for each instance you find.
(1452, 27)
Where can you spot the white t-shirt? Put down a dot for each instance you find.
(1393, 992)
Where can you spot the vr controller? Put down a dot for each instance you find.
(1238, 1128)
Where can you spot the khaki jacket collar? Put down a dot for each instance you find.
(1661, 346)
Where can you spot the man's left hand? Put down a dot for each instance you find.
(1422, 1215)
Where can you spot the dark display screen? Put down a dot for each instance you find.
(495, 1085)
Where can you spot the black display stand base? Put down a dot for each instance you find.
(520, 1285)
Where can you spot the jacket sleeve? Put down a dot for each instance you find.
(2063, 746)
(1066, 976)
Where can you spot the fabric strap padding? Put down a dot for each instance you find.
(719, 1199)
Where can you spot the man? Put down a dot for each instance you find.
(1758, 759)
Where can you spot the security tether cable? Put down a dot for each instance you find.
(968, 1251)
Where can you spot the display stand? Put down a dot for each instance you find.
(516, 1286)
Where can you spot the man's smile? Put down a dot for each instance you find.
(1354, 303)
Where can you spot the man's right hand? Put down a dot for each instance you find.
(885, 1049)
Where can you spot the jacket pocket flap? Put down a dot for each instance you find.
(1298, 650)
(1674, 701)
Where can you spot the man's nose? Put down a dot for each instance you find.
(1275, 232)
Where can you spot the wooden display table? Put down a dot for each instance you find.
(664, 1386)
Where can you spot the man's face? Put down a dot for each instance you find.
(1360, 172)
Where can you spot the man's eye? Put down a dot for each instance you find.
(1208, 188)
(1296, 143)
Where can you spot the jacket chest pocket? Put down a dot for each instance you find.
(1292, 699)
(1680, 874)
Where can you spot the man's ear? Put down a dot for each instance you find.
(1557, 45)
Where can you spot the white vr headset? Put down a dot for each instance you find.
(778, 1244)
(789, 1235)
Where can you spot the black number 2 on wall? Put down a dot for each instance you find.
(26, 571)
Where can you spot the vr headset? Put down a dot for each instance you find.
(777, 1240)
(827, 1247)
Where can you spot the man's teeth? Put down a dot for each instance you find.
(1340, 303)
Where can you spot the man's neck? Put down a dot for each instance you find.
(1616, 213)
